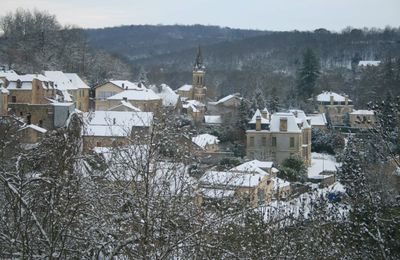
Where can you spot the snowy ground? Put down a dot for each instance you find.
(322, 163)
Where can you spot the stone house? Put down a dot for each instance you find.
(253, 182)
(72, 87)
(362, 119)
(285, 135)
(208, 143)
(336, 107)
(111, 128)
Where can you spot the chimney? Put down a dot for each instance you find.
(114, 121)
(295, 113)
(265, 114)
(258, 123)
(346, 100)
(331, 100)
(123, 85)
(125, 99)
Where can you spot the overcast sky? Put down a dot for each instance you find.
(248, 14)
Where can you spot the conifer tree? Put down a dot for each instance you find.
(308, 74)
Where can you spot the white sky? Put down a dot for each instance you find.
(247, 14)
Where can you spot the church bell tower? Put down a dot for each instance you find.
(199, 72)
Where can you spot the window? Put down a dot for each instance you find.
(283, 125)
(274, 141)
(264, 141)
(21, 113)
(40, 123)
(251, 141)
(291, 142)
(98, 144)
(13, 99)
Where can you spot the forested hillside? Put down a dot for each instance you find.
(243, 61)
(145, 41)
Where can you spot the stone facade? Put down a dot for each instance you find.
(362, 119)
(336, 107)
(284, 136)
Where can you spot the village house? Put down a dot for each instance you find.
(318, 121)
(362, 119)
(170, 100)
(336, 107)
(227, 107)
(208, 143)
(114, 128)
(72, 87)
(284, 135)
(35, 99)
(195, 110)
(110, 95)
(3, 100)
(253, 182)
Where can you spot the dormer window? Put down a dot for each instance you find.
(19, 84)
(283, 124)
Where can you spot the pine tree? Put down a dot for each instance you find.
(273, 101)
(308, 75)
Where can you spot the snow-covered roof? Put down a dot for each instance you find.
(126, 84)
(265, 110)
(318, 119)
(213, 120)
(224, 99)
(185, 87)
(105, 130)
(168, 96)
(301, 117)
(280, 183)
(232, 179)
(116, 123)
(193, 104)
(326, 97)
(122, 118)
(25, 81)
(258, 114)
(136, 94)
(254, 166)
(292, 126)
(5, 73)
(67, 96)
(362, 112)
(62, 104)
(248, 174)
(4, 90)
(35, 127)
(322, 163)
(61, 81)
(205, 139)
(76, 80)
(365, 63)
(128, 105)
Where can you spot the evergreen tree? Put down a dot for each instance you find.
(273, 101)
(258, 101)
(308, 74)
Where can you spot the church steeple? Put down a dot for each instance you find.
(198, 65)
(199, 72)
